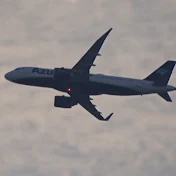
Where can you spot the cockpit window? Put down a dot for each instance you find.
(20, 68)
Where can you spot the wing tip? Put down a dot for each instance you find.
(106, 34)
(109, 30)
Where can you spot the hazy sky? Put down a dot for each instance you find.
(40, 140)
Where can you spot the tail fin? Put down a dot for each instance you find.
(162, 75)
(165, 96)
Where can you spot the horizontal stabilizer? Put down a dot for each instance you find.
(165, 96)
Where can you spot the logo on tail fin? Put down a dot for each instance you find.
(162, 71)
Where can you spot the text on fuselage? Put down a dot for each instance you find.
(42, 71)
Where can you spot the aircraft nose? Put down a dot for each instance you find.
(7, 76)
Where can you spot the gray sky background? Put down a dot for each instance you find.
(40, 140)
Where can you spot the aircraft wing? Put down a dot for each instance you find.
(84, 64)
(80, 72)
(84, 101)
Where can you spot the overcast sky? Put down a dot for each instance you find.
(37, 139)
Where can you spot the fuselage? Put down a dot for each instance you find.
(98, 83)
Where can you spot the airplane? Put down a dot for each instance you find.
(80, 84)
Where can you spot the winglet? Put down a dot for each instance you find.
(107, 118)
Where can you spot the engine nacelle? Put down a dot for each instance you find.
(64, 102)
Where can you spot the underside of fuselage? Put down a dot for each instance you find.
(37, 81)
(90, 88)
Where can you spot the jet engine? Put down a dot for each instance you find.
(64, 102)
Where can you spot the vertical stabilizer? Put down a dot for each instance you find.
(162, 75)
